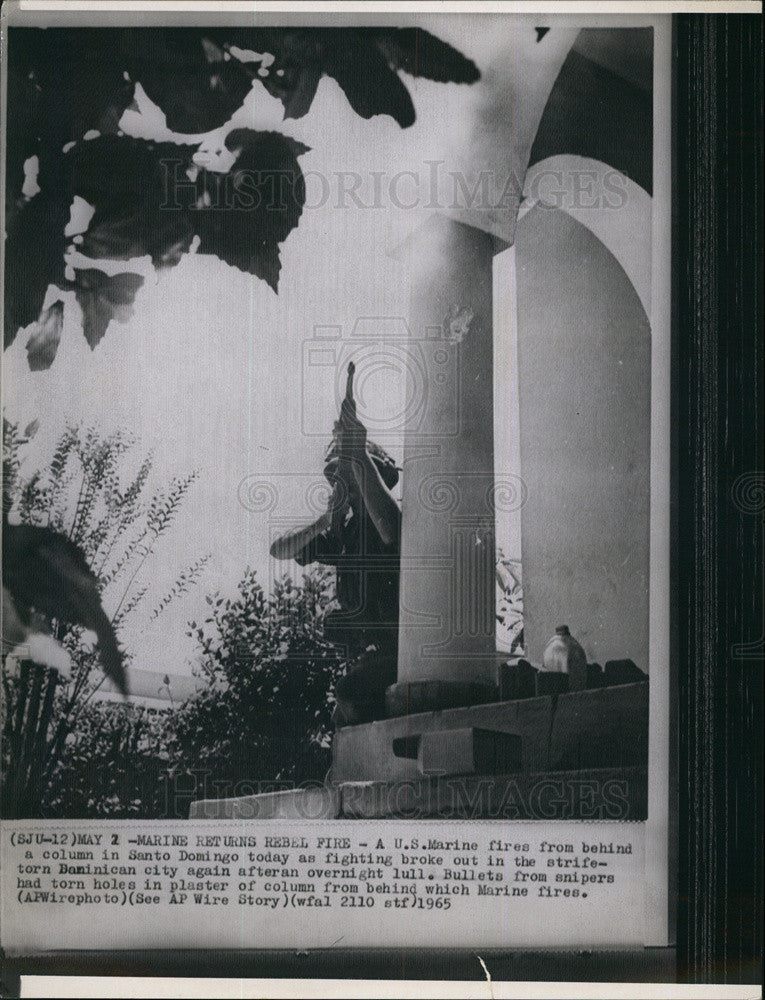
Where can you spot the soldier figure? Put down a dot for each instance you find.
(358, 535)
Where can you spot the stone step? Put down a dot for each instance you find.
(603, 727)
(462, 751)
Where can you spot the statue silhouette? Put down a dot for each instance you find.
(359, 536)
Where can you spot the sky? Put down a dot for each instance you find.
(217, 373)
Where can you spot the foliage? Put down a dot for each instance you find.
(69, 90)
(26, 708)
(113, 764)
(116, 524)
(510, 610)
(260, 719)
(264, 714)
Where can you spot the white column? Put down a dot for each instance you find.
(447, 634)
(584, 355)
(510, 490)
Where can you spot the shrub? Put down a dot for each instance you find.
(265, 713)
(47, 719)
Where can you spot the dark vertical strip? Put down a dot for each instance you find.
(720, 486)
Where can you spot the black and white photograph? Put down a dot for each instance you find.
(336, 480)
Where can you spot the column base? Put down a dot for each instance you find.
(409, 698)
(605, 727)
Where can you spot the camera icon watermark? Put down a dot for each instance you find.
(297, 512)
(399, 378)
(484, 599)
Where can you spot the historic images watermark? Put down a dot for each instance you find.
(540, 797)
(431, 188)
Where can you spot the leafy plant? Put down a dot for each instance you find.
(115, 524)
(69, 89)
(265, 712)
(510, 610)
(114, 764)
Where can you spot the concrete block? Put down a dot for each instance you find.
(550, 682)
(408, 698)
(623, 672)
(517, 680)
(606, 727)
(469, 751)
(595, 678)
(388, 750)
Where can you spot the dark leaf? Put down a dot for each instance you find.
(294, 74)
(61, 84)
(197, 100)
(66, 83)
(141, 210)
(45, 337)
(171, 241)
(419, 53)
(257, 207)
(364, 62)
(114, 238)
(184, 72)
(46, 571)
(95, 91)
(137, 170)
(366, 79)
(33, 259)
(21, 141)
(104, 298)
(296, 89)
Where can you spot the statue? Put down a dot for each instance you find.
(358, 534)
